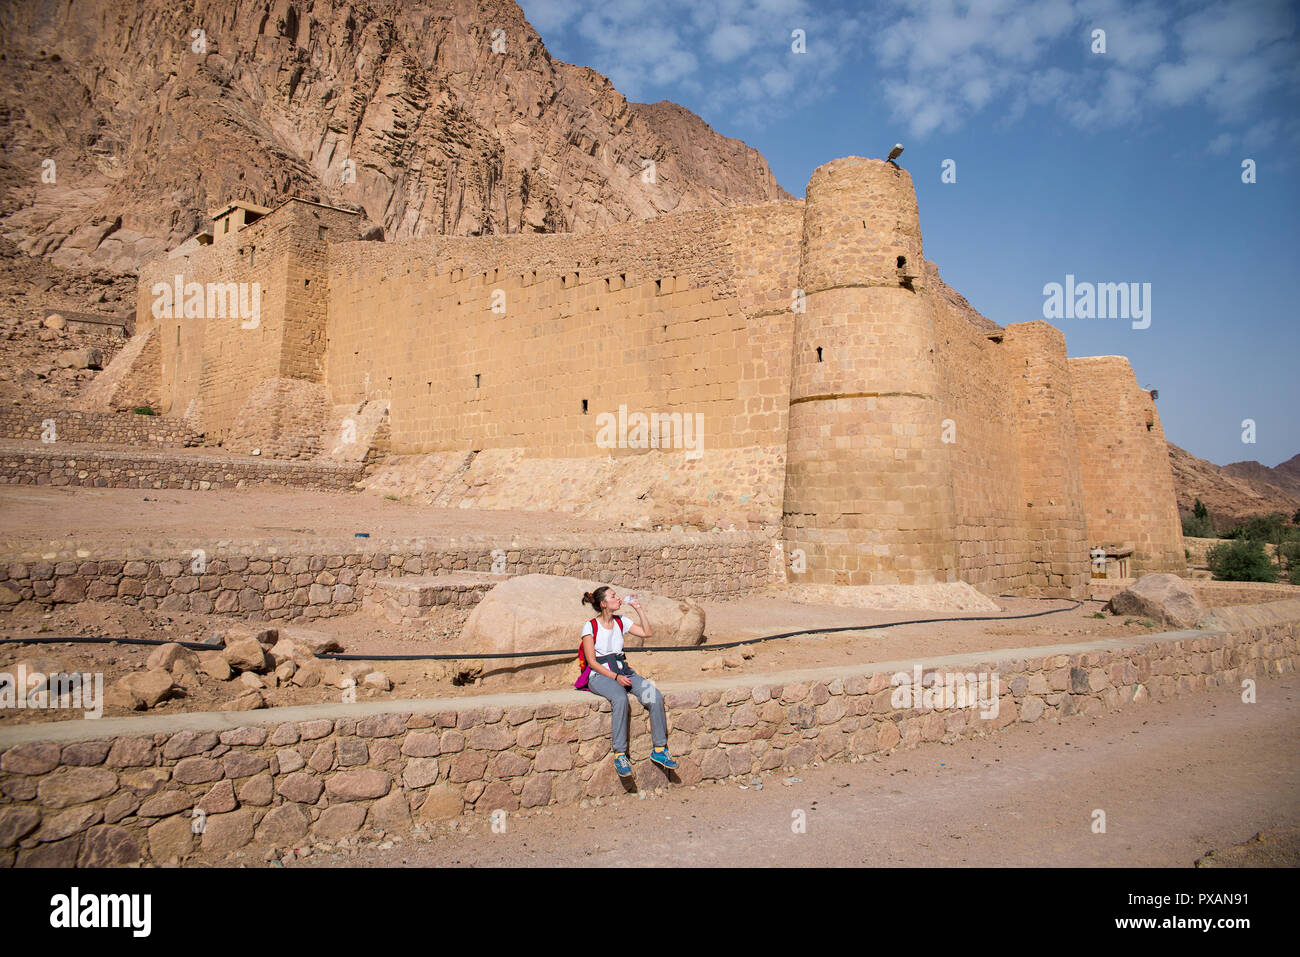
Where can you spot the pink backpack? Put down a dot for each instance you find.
(585, 665)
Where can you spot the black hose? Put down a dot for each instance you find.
(567, 652)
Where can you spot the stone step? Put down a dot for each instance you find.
(412, 596)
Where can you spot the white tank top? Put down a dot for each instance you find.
(609, 641)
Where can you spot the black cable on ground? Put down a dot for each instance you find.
(567, 652)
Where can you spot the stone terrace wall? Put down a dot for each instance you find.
(121, 791)
(265, 587)
(106, 468)
(1211, 593)
(101, 428)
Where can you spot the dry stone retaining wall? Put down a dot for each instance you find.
(107, 468)
(120, 791)
(102, 428)
(264, 587)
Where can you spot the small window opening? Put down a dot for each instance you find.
(478, 376)
(320, 232)
(819, 353)
(584, 406)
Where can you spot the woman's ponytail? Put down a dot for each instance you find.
(595, 598)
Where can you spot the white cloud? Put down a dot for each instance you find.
(735, 53)
(936, 64)
(1220, 144)
(949, 60)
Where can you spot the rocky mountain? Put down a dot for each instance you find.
(1234, 492)
(1285, 476)
(123, 123)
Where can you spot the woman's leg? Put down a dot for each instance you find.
(653, 699)
(616, 694)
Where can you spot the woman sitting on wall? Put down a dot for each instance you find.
(611, 676)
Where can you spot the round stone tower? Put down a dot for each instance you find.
(868, 488)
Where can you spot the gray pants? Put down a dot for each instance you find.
(646, 693)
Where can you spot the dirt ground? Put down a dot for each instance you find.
(1204, 780)
(40, 517)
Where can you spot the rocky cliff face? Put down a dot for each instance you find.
(434, 116)
(1233, 493)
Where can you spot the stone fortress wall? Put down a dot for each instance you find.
(849, 405)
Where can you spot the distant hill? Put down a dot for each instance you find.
(1233, 492)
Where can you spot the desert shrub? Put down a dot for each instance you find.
(143, 410)
(1241, 560)
(1264, 528)
(1196, 527)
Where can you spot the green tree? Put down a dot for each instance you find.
(1200, 511)
(1241, 560)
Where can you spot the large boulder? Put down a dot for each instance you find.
(1165, 598)
(545, 612)
(87, 357)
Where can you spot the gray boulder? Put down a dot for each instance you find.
(1162, 597)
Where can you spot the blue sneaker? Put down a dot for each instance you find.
(622, 765)
(661, 757)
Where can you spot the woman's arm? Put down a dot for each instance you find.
(641, 629)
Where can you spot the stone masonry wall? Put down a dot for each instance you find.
(980, 397)
(93, 467)
(270, 587)
(85, 796)
(1127, 482)
(570, 339)
(102, 428)
(213, 362)
(1051, 478)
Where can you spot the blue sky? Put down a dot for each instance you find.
(1116, 166)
